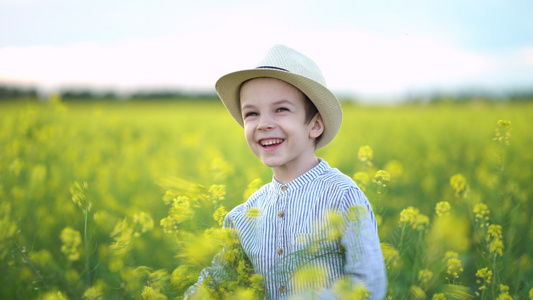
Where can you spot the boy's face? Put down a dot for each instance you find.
(274, 124)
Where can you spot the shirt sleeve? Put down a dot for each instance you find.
(364, 262)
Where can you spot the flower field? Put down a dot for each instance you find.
(125, 199)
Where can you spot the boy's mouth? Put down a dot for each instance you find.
(267, 143)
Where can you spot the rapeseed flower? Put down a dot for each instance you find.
(71, 240)
(391, 255)
(503, 132)
(442, 208)
(485, 278)
(504, 293)
(151, 293)
(439, 296)
(143, 222)
(54, 296)
(361, 179)
(335, 225)
(412, 217)
(365, 156)
(382, 178)
(481, 214)
(416, 292)
(309, 276)
(495, 239)
(96, 291)
(77, 191)
(252, 187)
(182, 277)
(253, 212)
(217, 193)
(357, 213)
(220, 214)
(346, 289)
(454, 266)
(425, 276)
(459, 185)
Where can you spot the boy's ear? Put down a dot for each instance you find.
(317, 126)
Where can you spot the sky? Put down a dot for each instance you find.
(370, 49)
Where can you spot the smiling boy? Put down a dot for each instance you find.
(287, 113)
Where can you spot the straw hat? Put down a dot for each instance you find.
(286, 64)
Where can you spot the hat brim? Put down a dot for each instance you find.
(228, 89)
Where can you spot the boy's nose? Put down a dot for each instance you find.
(265, 123)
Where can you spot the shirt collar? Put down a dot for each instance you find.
(304, 178)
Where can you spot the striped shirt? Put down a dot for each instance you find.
(297, 227)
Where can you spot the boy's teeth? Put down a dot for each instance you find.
(271, 142)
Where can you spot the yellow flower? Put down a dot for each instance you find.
(390, 254)
(417, 293)
(481, 214)
(439, 296)
(252, 187)
(347, 289)
(494, 237)
(253, 212)
(151, 293)
(220, 214)
(143, 221)
(425, 276)
(504, 293)
(365, 155)
(503, 132)
(217, 193)
(442, 208)
(77, 192)
(412, 217)
(96, 291)
(71, 240)
(362, 179)
(357, 212)
(454, 265)
(459, 185)
(182, 277)
(382, 178)
(336, 223)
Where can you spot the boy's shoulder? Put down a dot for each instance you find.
(334, 178)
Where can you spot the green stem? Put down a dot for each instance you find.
(86, 244)
(32, 266)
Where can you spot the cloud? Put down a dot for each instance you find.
(351, 61)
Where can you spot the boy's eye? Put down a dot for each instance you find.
(250, 114)
(282, 109)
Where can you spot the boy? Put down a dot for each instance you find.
(287, 113)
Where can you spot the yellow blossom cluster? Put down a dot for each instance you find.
(481, 214)
(454, 265)
(412, 217)
(459, 185)
(365, 156)
(495, 239)
(442, 208)
(485, 278)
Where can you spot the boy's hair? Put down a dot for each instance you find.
(310, 109)
(310, 113)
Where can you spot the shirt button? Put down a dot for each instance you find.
(282, 289)
(280, 251)
(284, 188)
(281, 214)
